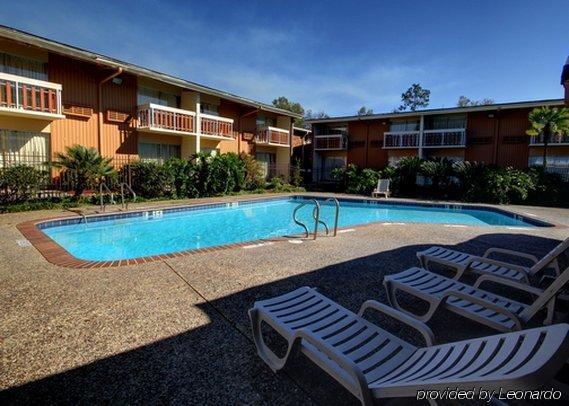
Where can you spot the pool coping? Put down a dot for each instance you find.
(57, 255)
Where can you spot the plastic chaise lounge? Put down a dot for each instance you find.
(382, 188)
(493, 310)
(462, 262)
(372, 363)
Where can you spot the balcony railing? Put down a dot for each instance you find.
(556, 139)
(20, 95)
(454, 137)
(216, 127)
(331, 142)
(162, 118)
(273, 136)
(401, 139)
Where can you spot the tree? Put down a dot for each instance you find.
(283, 103)
(363, 111)
(414, 97)
(310, 115)
(464, 101)
(86, 166)
(546, 122)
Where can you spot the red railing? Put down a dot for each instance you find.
(153, 116)
(401, 139)
(216, 126)
(272, 135)
(21, 93)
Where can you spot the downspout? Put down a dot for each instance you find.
(100, 107)
(367, 144)
(496, 137)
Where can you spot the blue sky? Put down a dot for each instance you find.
(333, 56)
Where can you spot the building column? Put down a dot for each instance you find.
(421, 129)
(565, 81)
(198, 123)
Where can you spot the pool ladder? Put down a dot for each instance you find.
(316, 217)
(124, 204)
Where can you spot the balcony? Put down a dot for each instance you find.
(214, 127)
(273, 136)
(331, 142)
(446, 138)
(556, 139)
(401, 139)
(20, 96)
(156, 118)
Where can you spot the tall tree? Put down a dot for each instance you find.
(546, 122)
(310, 115)
(415, 97)
(283, 103)
(464, 101)
(364, 111)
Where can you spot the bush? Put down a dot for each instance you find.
(439, 171)
(407, 170)
(506, 185)
(296, 176)
(355, 180)
(21, 182)
(278, 185)
(179, 172)
(150, 179)
(254, 175)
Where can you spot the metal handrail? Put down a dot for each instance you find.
(132, 192)
(102, 186)
(79, 213)
(337, 216)
(317, 219)
(315, 214)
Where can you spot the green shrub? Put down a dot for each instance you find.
(296, 175)
(407, 170)
(21, 182)
(254, 175)
(355, 180)
(439, 171)
(150, 179)
(179, 172)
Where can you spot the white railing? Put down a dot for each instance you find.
(401, 139)
(554, 139)
(453, 137)
(216, 126)
(273, 136)
(30, 95)
(157, 117)
(331, 142)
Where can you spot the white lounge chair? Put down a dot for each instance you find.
(493, 310)
(382, 188)
(463, 262)
(372, 363)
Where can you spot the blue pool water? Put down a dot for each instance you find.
(167, 232)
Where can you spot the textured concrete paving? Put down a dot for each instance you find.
(178, 331)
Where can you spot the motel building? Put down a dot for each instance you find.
(493, 134)
(54, 95)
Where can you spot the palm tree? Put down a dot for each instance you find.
(546, 122)
(86, 166)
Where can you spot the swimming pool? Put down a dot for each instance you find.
(142, 234)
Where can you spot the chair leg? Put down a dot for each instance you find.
(264, 352)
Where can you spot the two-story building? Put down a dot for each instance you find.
(494, 134)
(54, 95)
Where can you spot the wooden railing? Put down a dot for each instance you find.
(401, 139)
(216, 126)
(454, 137)
(554, 139)
(154, 116)
(20, 93)
(273, 135)
(331, 142)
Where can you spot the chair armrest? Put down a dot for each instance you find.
(512, 253)
(483, 303)
(418, 325)
(508, 283)
(344, 362)
(491, 261)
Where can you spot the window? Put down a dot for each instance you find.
(23, 147)
(404, 125)
(158, 152)
(208, 108)
(148, 95)
(445, 122)
(17, 65)
(263, 121)
(266, 161)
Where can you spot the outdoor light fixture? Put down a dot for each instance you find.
(117, 81)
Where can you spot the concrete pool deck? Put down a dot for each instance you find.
(177, 331)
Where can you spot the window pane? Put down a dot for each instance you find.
(23, 147)
(17, 65)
